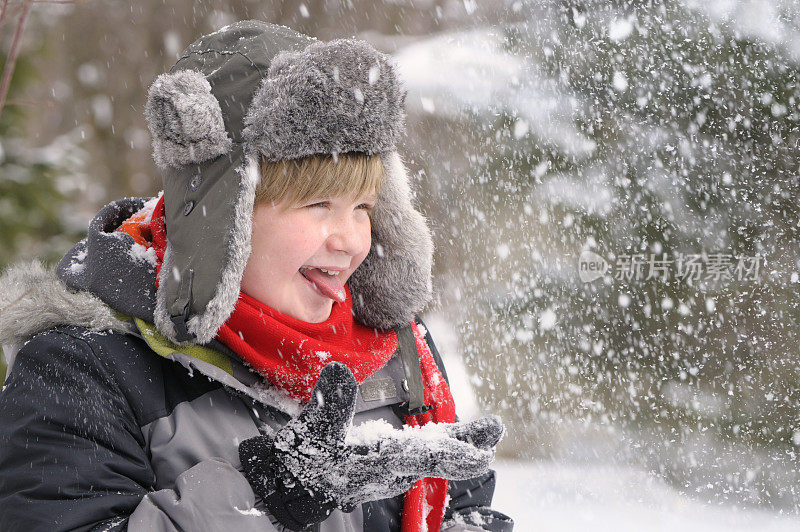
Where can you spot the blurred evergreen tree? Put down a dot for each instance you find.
(36, 183)
(690, 133)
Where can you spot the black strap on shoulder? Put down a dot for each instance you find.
(180, 321)
(413, 373)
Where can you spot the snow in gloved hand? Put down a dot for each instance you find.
(350, 465)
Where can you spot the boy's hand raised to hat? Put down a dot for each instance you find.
(317, 462)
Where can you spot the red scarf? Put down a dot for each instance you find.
(290, 354)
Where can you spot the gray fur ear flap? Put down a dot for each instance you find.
(394, 281)
(185, 120)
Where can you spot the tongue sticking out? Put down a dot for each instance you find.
(328, 285)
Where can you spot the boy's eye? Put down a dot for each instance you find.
(318, 204)
(366, 206)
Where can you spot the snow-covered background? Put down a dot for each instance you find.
(657, 132)
(560, 496)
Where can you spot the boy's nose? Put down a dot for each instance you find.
(345, 236)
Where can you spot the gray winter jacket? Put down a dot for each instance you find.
(106, 425)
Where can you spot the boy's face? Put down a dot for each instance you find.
(291, 243)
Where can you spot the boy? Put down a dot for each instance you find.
(241, 352)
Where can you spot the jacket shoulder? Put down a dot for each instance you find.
(35, 300)
(151, 385)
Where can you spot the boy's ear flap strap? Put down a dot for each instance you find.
(413, 372)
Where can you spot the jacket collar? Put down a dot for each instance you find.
(110, 265)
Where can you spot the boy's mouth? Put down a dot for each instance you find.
(327, 283)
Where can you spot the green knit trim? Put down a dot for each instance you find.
(165, 348)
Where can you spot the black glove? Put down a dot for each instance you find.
(310, 468)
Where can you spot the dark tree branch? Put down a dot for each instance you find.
(48, 102)
(8, 69)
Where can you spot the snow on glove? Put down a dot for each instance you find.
(313, 465)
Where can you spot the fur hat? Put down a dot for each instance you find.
(255, 89)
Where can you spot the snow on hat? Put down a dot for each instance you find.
(256, 89)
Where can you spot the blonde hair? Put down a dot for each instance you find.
(304, 180)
